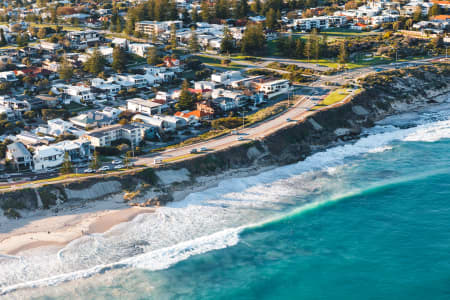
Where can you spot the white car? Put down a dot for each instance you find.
(104, 168)
(203, 149)
(88, 170)
(116, 162)
(119, 166)
(240, 138)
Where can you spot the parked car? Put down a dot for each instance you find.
(120, 166)
(116, 162)
(240, 138)
(88, 170)
(157, 161)
(203, 149)
(194, 151)
(104, 168)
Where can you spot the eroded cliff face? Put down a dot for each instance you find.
(384, 94)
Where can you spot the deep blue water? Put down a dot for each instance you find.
(391, 241)
(369, 220)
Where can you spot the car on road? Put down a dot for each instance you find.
(104, 168)
(116, 162)
(88, 170)
(193, 151)
(157, 161)
(203, 149)
(240, 138)
(234, 132)
(288, 120)
(119, 166)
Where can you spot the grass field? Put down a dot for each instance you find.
(177, 158)
(335, 96)
(214, 62)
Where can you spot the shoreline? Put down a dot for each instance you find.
(40, 228)
(58, 231)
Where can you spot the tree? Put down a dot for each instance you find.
(396, 26)
(29, 115)
(95, 162)
(95, 63)
(315, 44)
(244, 8)
(409, 23)
(307, 49)
(227, 43)
(66, 167)
(65, 70)
(205, 11)
(256, 6)
(54, 16)
(173, 36)
(299, 48)
(186, 100)
(417, 15)
(194, 46)
(343, 54)
(3, 41)
(120, 60)
(253, 40)
(194, 15)
(153, 57)
(271, 20)
(42, 33)
(434, 10)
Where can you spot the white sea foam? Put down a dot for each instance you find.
(432, 133)
(203, 221)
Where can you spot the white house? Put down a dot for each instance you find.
(139, 49)
(8, 76)
(46, 157)
(79, 94)
(108, 88)
(274, 88)
(144, 106)
(19, 155)
(226, 77)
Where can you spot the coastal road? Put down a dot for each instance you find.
(298, 112)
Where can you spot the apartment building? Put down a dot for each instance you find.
(103, 137)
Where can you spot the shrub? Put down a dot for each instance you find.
(11, 213)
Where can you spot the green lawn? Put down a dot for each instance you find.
(214, 62)
(335, 96)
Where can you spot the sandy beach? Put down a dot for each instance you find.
(46, 230)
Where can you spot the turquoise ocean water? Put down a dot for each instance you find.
(366, 220)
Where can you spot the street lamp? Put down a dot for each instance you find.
(243, 119)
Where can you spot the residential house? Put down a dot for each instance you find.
(80, 94)
(46, 157)
(19, 155)
(92, 119)
(8, 76)
(83, 39)
(275, 87)
(139, 49)
(106, 87)
(144, 106)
